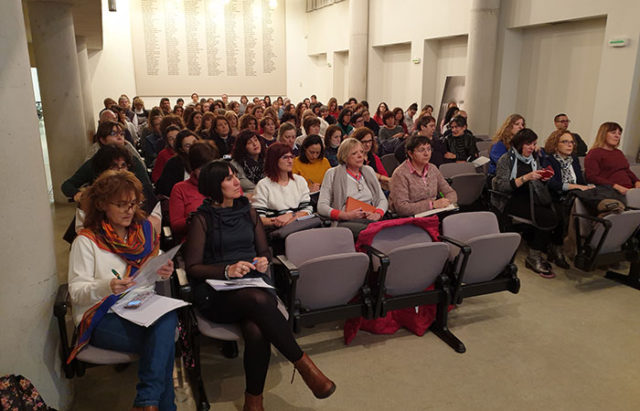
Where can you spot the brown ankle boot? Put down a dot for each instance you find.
(252, 402)
(320, 385)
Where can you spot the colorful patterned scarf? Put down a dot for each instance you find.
(142, 243)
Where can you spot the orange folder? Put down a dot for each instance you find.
(353, 204)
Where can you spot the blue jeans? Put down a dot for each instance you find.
(155, 345)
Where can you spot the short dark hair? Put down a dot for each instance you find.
(414, 106)
(309, 141)
(310, 121)
(355, 118)
(180, 100)
(450, 113)
(163, 99)
(365, 103)
(104, 129)
(211, 177)
(286, 116)
(558, 116)
(459, 121)
(424, 121)
(274, 152)
(202, 152)
(388, 114)
(416, 141)
(355, 100)
(240, 146)
(106, 155)
(522, 137)
(166, 131)
(344, 112)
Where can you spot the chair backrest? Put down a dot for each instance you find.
(483, 137)
(468, 187)
(484, 145)
(389, 162)
(318, 242)
(623, 225)
(331, 280)
(465, 226)
(635, 168)
(388, 239)
(413, 268)
(633, 198)
(451, 169)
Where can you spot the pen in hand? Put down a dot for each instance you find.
(116, 274)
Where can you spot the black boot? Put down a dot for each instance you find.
(535, 262)
(556, 256)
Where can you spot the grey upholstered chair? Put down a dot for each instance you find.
(390, 163)
(611, 239)
(468, 186)
(324, 274)
(449, 170)
(633, 198)
(406, 262)
(484, 145)
(489, 267)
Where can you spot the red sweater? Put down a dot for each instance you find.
(163, 156)
(608, 167)
(184, 200)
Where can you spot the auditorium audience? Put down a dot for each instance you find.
(268, 127)
(516, 171)
(281, 196)
(118, 238)
(408, 117)
(379, 116)
(561, 121)
(390, 129)
(371, 159)
(248, 159)
(221, 135)
(226, 240)
(426, 126)
(232, 118)
(417, 185)
(344, 120)
(287, 136)
(204, 129)
(369, 122)
(177, 168)
(311, 163)
(461, 143)
(194, 121)
(502, 139)
(398, 115)
(333, 108)
(185, 197)
(605, 164)
(351, 178)
(332, 140)
(170, 134)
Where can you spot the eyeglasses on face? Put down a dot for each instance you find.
(370, 141)
(564, 121)
(287, 157)
(571, 142)
(127, 205)
(116, 133)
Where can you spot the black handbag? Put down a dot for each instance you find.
(591, 198)
(540, 193)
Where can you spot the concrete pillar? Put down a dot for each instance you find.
(85, 83)
(28, 334)
(54, 46)
(358, 44)
(481, 56)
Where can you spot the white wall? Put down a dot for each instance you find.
(559, 69)
(396, 65)
(452, 61)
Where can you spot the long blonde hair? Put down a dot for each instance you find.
(601, 137)
(504, 133)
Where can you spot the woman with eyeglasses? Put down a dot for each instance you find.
(109, 132)
(117, 240)
(416, 184)
(281, 196)
(351, 178)
(370, 147)
(560, 149)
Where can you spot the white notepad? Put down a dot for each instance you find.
(153, 308)
(437, 210)
(236, 284)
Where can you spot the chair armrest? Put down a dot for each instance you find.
(371, 251)
(602, 221)
(289, 266)
(184, 288)
(464, 248)
(62, 301)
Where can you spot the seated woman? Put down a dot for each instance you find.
(281, 196)
(502, 139)
(426, 126)
(185, 197)
(344, 120)
(560, 149)
(118, 238)
(248, 122)
(226, 240)
(268, 126)
(332, 105)
(311, 163)
(166, 153)
(108, 133)
(194, 121)
(177, 168)
(398, 116)
(606, 165)
(515, 171)
(332, 140)
(365, 136)
(232, 118)
(248, 159)
(416, 184)
(390, 130)
(378, 116)
(204, 130)
(287, 136)
(352, 178)
(370, 122)
(460, 142)
(221, 135)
